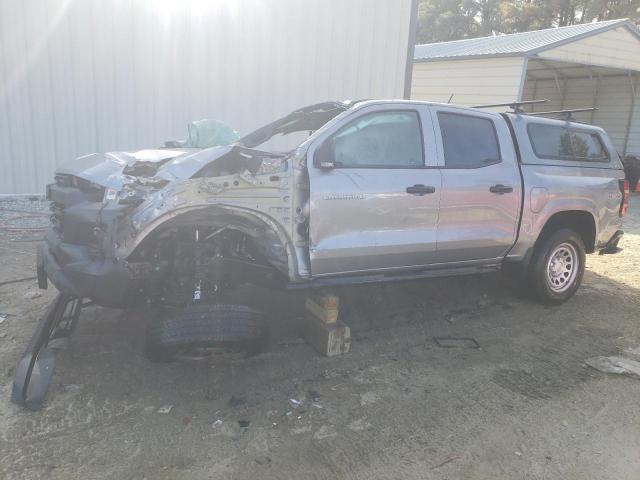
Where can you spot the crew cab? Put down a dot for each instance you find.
(375, 191)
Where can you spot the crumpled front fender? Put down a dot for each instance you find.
(250, 199)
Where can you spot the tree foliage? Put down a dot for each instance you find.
(442, 20)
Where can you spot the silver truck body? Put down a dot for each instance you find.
(321, 223)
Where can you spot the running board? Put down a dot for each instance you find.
(392, 277)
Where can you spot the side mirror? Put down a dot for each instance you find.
(324, 156)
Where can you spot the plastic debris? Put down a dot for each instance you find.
(614, 364)
(294, 403)
(448, 459)
(236, 401)
(244, 425)
(30, 295)
(165, 409)
(456, 342)
(216, 423)
(313, 396)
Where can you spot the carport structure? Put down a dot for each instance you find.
(589, 65)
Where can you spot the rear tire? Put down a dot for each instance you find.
(557, 267)
(177, 330)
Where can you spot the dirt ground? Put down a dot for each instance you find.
(521, 405)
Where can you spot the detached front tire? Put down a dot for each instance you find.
(557, 267)
(175, 331)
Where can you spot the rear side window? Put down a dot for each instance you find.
(468, 141)
(566, 143)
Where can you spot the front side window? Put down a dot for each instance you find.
(565, 143)
(468, 141)
(383, 139)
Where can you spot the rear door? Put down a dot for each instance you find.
(481, 185)
(376, 207)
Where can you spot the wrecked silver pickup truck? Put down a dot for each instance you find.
(378, 191)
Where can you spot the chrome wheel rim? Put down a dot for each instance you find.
(562, 267)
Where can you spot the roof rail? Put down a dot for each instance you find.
(515, 106)
(567, 114)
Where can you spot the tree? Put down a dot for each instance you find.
(442, 20)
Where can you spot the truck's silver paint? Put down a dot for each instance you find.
(476, 224)
(362, 220)
(553, 186)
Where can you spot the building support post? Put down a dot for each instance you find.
(596, 92)
(634, 88)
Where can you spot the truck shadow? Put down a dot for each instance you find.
(388, 320)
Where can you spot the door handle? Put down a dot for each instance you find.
(420, 189)
(500, 189)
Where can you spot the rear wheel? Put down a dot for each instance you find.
(194, 329)
(557, 267)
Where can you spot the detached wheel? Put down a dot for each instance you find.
(557, 267)
(197, 328)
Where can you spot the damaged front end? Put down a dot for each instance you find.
(170, 228)
(173, 226)
(104, 241)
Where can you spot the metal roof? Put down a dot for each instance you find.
(516, 43)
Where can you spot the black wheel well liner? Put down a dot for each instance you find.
(581, 221)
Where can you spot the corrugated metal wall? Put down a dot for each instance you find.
(472, 82)
(613, 48)
(78, 76)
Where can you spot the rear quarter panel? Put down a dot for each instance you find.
(552, 186)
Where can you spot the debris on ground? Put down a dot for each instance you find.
(30, 295)
(216, 423)
(236, 401)
(17, 280)
(485, 301)
(244, 425)
(165, 409)
(313, 395)
(368, 398)
(449, 459)
(615, 364)
(456, 342)
(294, 403)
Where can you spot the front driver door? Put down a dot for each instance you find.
(376, 207)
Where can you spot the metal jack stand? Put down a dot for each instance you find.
(35, 368)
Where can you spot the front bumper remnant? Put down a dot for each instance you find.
(35, 369)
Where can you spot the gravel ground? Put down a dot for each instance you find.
(521, 405)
